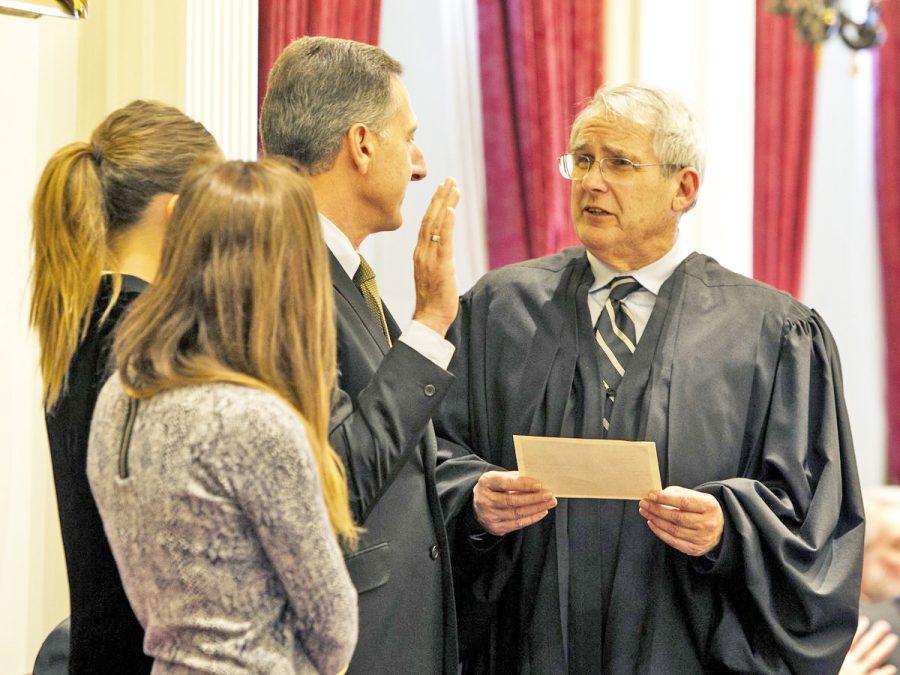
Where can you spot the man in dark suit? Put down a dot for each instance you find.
(339, 108)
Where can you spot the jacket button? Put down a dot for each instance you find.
(429, 390)
(434, 552)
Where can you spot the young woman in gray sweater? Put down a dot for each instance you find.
(209, 458)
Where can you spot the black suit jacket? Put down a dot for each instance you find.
(381, 427)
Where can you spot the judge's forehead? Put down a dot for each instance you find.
(610, 132)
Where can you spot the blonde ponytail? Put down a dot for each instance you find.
(70, 250)
(88, 194)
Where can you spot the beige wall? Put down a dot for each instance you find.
(59, 79)
(130, 50)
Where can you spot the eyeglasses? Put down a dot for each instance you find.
(576, 167)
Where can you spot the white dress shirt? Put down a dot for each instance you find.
(417, 335)
(639, 304)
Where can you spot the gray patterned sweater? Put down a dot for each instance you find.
(220, 532)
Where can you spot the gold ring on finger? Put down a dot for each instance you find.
(435, 237)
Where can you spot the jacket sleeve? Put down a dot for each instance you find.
(459, 465)
(375, 435)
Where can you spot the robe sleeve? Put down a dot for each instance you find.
(794, 519)
(461, 457)
(480, 561)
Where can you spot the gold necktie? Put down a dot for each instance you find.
(365, 281)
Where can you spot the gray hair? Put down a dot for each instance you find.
(677, 139)
(318, 88)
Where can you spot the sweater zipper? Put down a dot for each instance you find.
(125, 443)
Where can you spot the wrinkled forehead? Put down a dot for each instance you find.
(606, 132)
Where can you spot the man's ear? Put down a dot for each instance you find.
(360, 144)
(688, 186)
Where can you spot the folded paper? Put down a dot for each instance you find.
(590, 468)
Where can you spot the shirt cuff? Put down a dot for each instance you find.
(428, 343)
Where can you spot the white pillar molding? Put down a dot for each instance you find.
(221, 71)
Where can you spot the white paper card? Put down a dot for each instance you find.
(592, 468)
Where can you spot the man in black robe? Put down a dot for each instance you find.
(749, 560)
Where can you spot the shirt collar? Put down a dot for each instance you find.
(651, 276)
(340, 246)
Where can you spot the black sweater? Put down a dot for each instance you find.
(106, 637)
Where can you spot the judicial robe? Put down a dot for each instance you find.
(740, 387)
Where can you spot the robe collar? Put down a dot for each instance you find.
(651, 276)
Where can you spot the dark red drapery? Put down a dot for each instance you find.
(540, 61)
(887, 171)
(785, 88)
(282, 21)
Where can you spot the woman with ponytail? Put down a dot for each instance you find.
(209, 455)
(99, 216)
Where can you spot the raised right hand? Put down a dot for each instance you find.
(437, 299)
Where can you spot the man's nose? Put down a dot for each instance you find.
(418, 164)
(594, 179)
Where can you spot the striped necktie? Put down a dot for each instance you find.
(616, 336)
(364, 278)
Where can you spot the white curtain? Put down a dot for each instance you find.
(704, 50)
(841, 272)
(437, 43)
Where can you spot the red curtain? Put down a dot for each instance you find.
(887, 171)
(785, 87)
(282, 21)
(540, 61)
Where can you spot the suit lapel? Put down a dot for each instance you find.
(393, 328)
(344, 286)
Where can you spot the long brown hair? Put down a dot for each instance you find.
(88, 194)
(244, 296)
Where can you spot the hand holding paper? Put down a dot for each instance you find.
(504, 501)
(687, 520)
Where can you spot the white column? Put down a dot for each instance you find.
(221, 82)
(32, 573)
